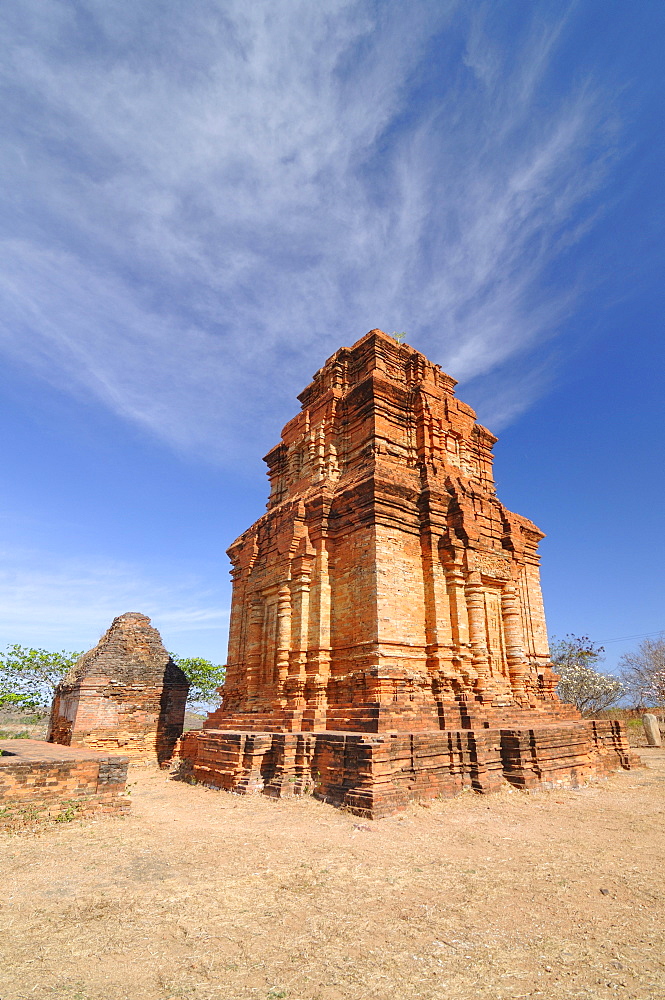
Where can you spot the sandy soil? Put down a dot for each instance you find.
(203, 895)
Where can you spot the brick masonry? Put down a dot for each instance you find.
(387, 590)
(48, 777)
(374, 775)
(125, 696)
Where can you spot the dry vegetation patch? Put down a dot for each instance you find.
(202, 895)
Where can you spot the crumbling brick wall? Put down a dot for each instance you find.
(45, 778)
(125, 695)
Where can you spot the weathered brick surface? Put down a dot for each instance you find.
(375, 774)
(125, 695)
(48, 776)
(387, 590)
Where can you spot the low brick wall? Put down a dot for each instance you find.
(47, 778)
(376, 774)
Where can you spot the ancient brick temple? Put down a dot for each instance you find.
(124, 695)
(388, 591)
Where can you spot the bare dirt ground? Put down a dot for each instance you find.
(203, 895)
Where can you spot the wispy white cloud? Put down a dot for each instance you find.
(201, 206)
(70, 603)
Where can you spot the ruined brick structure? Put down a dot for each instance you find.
(125, 695)
(43, 779)
(387, 590)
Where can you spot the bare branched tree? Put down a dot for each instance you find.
(643, 673)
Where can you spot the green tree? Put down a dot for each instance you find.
(205, 677)
(10, 699)
(580, 684)
(28, 677)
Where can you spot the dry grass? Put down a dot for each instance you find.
(22, 725)
(202, 895)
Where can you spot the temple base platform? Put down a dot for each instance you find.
(377, 774)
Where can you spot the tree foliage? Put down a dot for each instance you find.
(643, 673)
(575, 650)
(205, 677)
(28, 677)
(11, 699)
(580, 684)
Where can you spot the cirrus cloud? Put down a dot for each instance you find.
(200, 206)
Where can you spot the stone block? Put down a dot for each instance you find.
(651, 729)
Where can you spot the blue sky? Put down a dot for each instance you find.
(201, 202)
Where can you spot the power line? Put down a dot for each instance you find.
(622, 638)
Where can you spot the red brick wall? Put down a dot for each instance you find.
(374, 775)
(49, 777)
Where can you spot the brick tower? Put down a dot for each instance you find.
(388, 591)
(125, 695)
